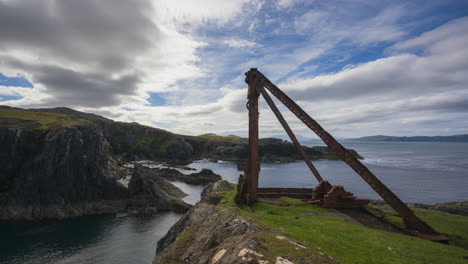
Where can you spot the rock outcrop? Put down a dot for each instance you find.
(149, 193)
(205, 176)
(458, 208)
(66, 171)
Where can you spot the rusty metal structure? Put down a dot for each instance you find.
(325, 194)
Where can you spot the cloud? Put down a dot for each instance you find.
(449, 30)
(88, 53)
(442, 68)
(197, 12)
(80, 33)
(357, 67)
(241, 43)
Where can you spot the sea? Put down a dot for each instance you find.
(418, 172)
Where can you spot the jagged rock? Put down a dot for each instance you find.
(212, 235)
(203, 177)
(148, 193)
(211, 191)
(458, 208)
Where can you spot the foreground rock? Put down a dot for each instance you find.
(149, 193)
(212, 234)
(203, 177)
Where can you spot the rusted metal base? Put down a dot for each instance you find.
(298, 193)
(338, 197)
(329, 196)
(321, 190)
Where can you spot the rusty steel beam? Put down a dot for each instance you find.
(409, 218)
(291, 135)
(253, 166)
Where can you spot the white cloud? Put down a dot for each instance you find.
(241, 43)
(170, 50)
(450, 30)
(197, 12)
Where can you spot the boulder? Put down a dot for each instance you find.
(210, 193)
(149, 193)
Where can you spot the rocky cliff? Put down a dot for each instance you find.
(53, 166)
(59, 162)
(56, 173)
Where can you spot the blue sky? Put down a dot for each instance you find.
(358, 67)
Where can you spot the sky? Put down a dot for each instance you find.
(358, 67)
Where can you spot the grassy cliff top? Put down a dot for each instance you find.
(217, 138)
(351, 243)
(11, 117)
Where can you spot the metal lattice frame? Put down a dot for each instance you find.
(258, 85)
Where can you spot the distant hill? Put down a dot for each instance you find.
(299, 137)
(454, 138)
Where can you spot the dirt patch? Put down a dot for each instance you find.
(369, 220)
(362, 218)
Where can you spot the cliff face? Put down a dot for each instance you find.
(55, 163)
(137, 142)
(65, 171)
(55, 173)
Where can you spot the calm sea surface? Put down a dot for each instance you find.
(417, 172)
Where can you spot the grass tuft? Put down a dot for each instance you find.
(37, 120)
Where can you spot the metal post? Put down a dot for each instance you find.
(253, 166)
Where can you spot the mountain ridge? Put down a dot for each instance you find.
(453, 138)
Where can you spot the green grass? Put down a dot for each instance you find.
(37, 120)
(349, 243)
(455, 226)
(276, 247)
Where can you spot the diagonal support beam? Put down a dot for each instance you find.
(290, 133)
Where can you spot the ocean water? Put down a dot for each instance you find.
(416, 172)
(105, 239)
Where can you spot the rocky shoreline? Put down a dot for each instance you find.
(58, 163)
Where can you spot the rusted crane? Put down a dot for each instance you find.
(326, 194)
